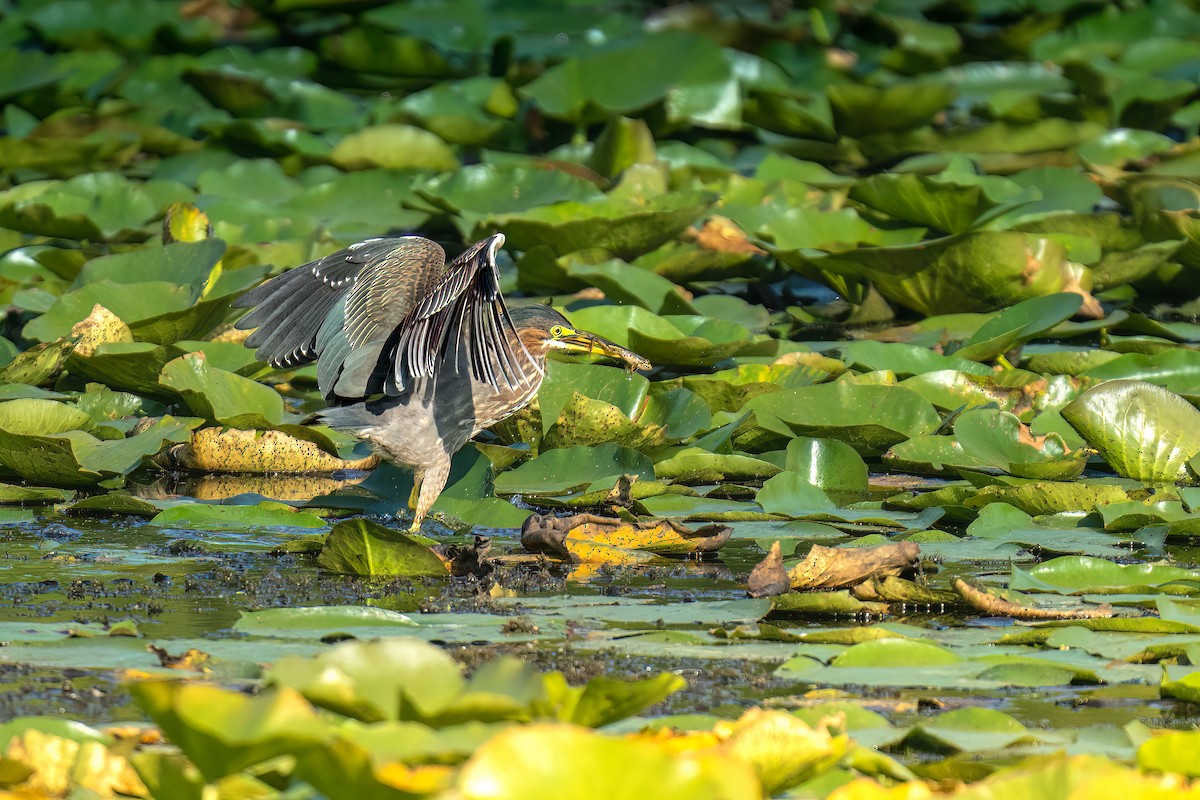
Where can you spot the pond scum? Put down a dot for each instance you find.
(907, 507)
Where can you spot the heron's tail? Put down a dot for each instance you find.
(353, 418)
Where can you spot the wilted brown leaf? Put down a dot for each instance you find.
(769, 578)
(836, 568)
(191, 659)
(723, 235)
(235, 450)
(991, 604)
(587, 537)
(1091, 308)
(99, 327)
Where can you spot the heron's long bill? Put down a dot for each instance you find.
(584, 342)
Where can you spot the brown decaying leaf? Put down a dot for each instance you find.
(990, 604)
(588, 537)
(769, 578)
(1026, 436)
(723, 235)
(233, 20)
(191, 659)
(1033, 265)
(235, 450)
(1091, 308)
(827, 568)
(470, 559)
(99, 327)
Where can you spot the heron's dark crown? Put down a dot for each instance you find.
(539, 317)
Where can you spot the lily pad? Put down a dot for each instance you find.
(574, 469)
(1143, 431)
(361, 547)
(868, 418)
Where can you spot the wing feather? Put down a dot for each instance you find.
(384, 312)
(327, 308)
(465, 304)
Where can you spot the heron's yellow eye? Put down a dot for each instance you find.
(558, 331)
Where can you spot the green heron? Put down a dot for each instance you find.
(415, 356)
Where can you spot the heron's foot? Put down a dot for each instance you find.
(414, 497)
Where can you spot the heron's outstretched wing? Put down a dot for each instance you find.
(383, 312)
(332, 308)
(463, 314)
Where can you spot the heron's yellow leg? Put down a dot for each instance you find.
(418, 478)
(433, 480)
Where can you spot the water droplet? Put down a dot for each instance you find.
(561, 39)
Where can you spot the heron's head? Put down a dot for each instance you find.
(544, 331)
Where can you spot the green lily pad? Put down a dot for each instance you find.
(680, 340)
(250, 729)
(622, 227)
(395, 147)
(572, 469)
(1143, 431)
(506, 768)
(830, 464)
(1082, 574)
(680, 68)
(868, 418)
(1175, 369)
(975, 271)
(906, 359)
(933, 201)
(694, 465)
(181, 263)
(1018, 324)
(132, 302)
(75, 458)
(999, 440)
(206, 517)
(859, 109)
(32, 495)
(222, 397)
(39, 417)
(1171, 752)
(361, 547)
(96, 206)
(130, 366)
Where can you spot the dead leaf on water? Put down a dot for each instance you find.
(837, 568)
(769, 578)
(191, 659)
(235, 450)
(991, 604)
(587, 537)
